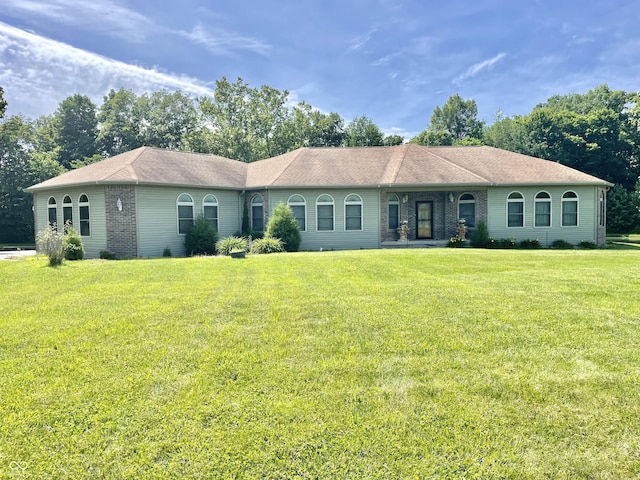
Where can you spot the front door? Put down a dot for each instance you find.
(424, 219)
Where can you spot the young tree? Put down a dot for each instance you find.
(282, 224)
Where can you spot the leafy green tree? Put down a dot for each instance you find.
(429, 138)
(391, 140)
(362, 132)
(623, 210)
(119, 126)
(3, 103)
(283, 225)
(458, 118)
(308, 127)
(75, 129)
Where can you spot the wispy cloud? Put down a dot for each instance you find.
(222, 42)
(360, 41)
(37, 73)
(475, 69)
(105, 16)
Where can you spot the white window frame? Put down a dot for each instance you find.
(519, 199)
(183, 202)
(294, 202)
(257, 201)
(333, 212)
(539, 200)
(394, 200)
(84, 221)
(210, 200)
(566, 200)
(67, 205)
(466, 201)
(353, 200)
(52, 206)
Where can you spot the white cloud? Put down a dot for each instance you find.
(360, 41)
(473, 70)
(223, 42)
(105, 16)
(37, 73)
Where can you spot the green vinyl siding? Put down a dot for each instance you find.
(339, 238)
(157, 216)
(497, 216)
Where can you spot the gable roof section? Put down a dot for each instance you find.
(408, 165)
(155, 166)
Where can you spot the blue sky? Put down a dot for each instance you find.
(391, 60)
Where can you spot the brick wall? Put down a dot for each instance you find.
(121, 224)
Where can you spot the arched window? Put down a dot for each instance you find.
(353, 212)
(67, 211)
(515, 210)
(602, 209)
(298, 206)
(185, 213)
(324, 213)
(569, 209)
(467, 209)
(394, 212)
(52, 207)
(543, 210)
(210, 210)
(85, 221)
(257, 214)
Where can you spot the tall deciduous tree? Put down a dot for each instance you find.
(119, 129)
(458, 118)
(362, 132)
(76, 129)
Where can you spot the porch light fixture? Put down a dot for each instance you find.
(451, 197)
(405, 198)
(119, 205)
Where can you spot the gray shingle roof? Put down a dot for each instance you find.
(408, 164)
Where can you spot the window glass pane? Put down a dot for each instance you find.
(298, 214)
(84, 221)
(211, 214)
(325, 217)
(543, 214)
(353, 218)
(393, 216)
(516, 214)
(468, 212)
(257, 220)
(569, 213)
(53, 214)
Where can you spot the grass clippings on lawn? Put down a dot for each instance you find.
(367, 364)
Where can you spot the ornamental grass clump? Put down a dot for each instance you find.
(229, 245)
(50, 241)
(267, 245)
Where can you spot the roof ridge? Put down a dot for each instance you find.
(297, 152)
(127, 164)
(458, 166)
(402, 159)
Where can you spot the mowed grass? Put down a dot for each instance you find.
(443, 363)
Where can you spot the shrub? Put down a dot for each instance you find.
(201, 238)
(107, 255)
(455, 242)
(246, 229)
(588, 245)
(166, 252)
(480, 236)
(529, 244)
(561, 245)
(49, 241)
(502, 243)
(267, 245)
(232, 244)
(282, 224)
(72, 244)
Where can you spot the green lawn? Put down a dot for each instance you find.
(431, 363)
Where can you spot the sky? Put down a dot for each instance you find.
(393, 61)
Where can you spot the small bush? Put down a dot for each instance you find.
(480, 236)
(107, 255)
(72, 244)
(588, 245)
(167, 252)
(502, 243)
(201, 238)
(455, 242)
(530, 244)
(267, 245)
(49, 241)
(232, 244)
(561, 245)
(282, 224)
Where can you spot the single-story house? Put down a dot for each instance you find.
(140, 202)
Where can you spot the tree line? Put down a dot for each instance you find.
(597, 132)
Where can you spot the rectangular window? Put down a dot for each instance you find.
(257, 219)
(298, 214)
(468, 212)
(85, 230)
(543, 214)
(353, 217)
(569, 213)
(394, 216)
(325, 217)
(185, 219)
(515, 216)
(52, 216)
(211, 214)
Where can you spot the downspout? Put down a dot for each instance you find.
(379, 217)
